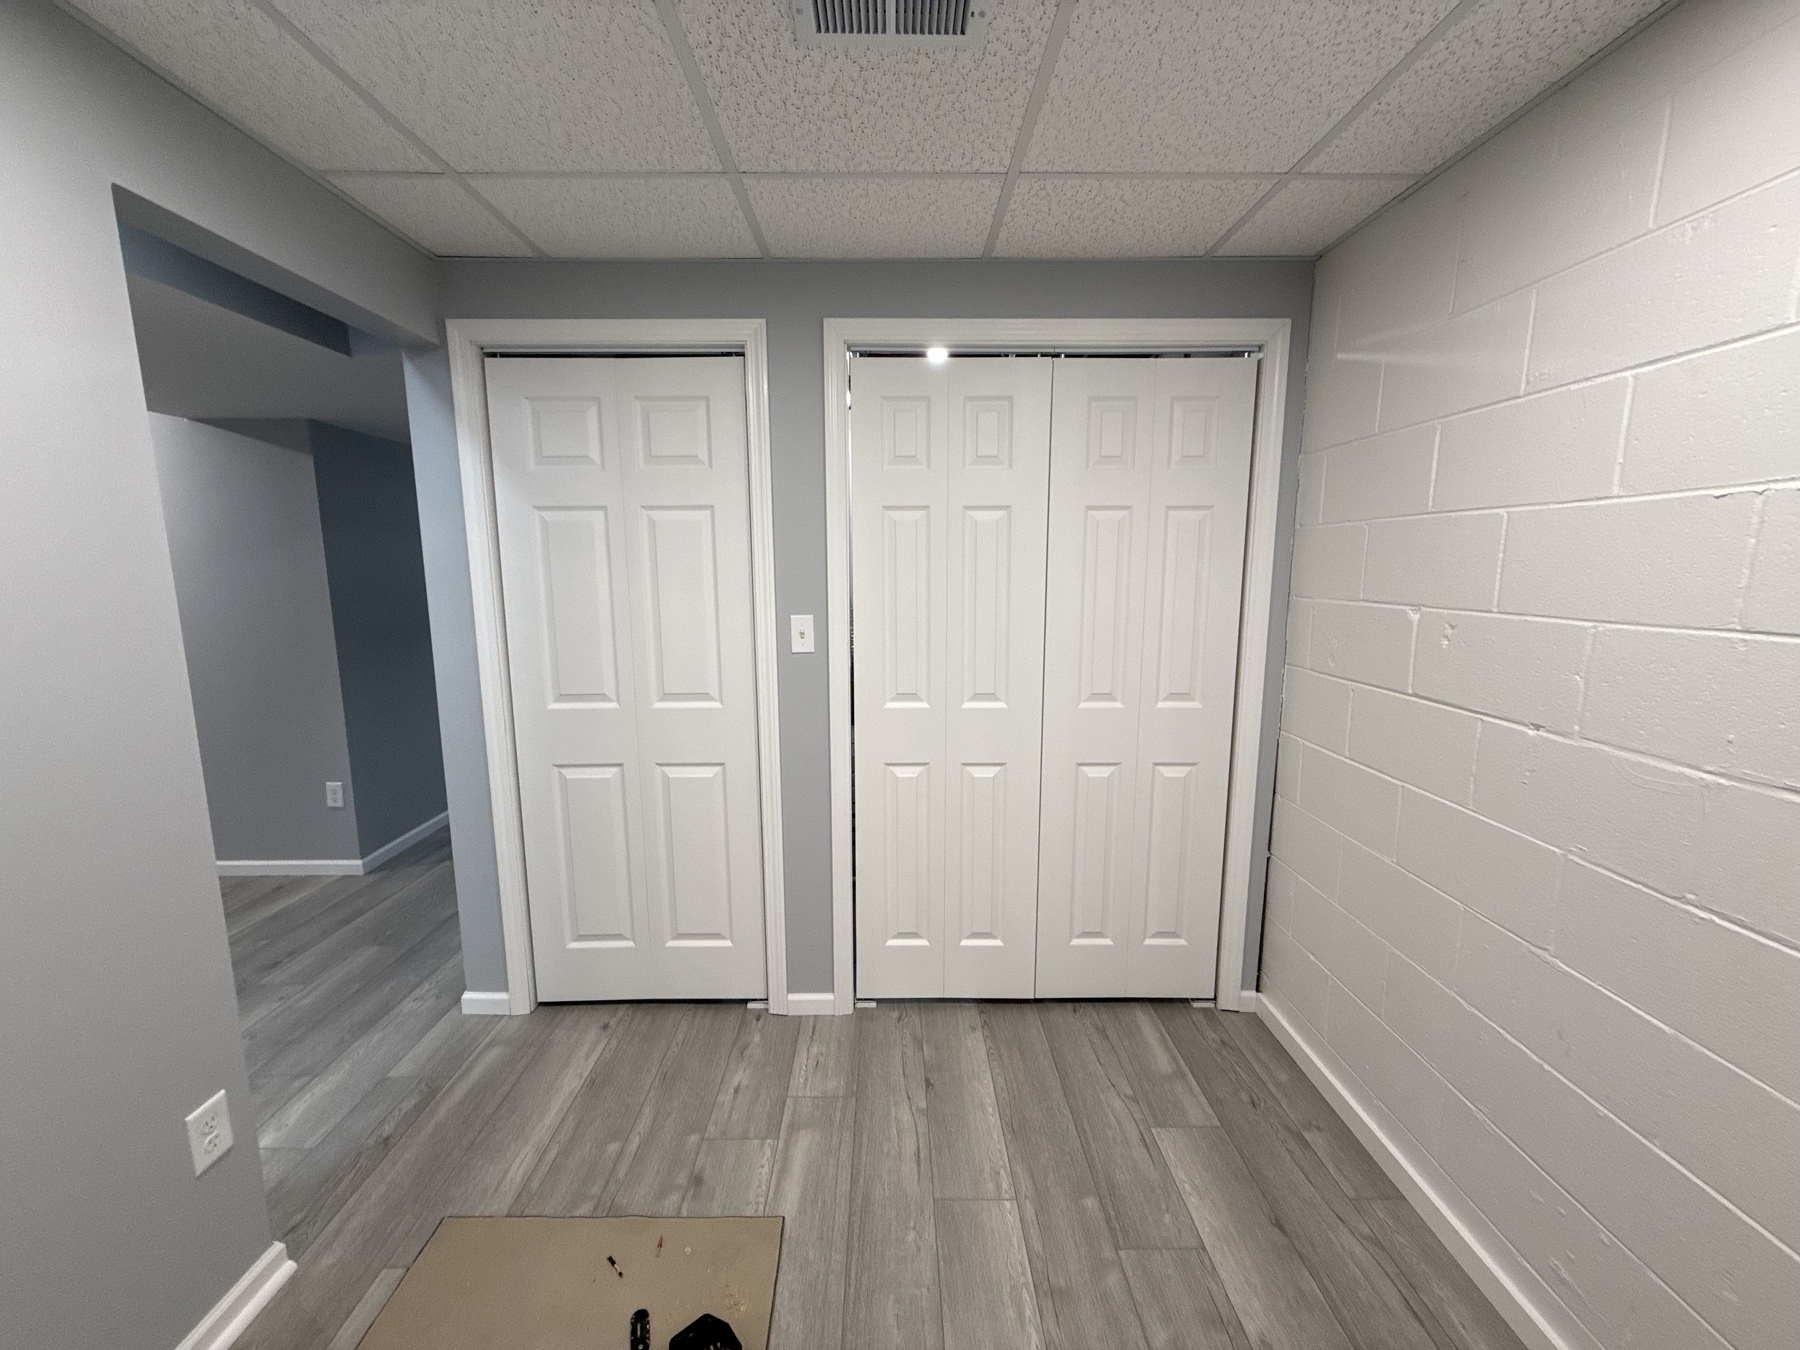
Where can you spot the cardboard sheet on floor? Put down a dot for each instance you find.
(546, 1284)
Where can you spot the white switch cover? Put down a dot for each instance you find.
(802, 632)
(334, 794)
(209, 1132)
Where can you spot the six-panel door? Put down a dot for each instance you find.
(949, 472)
(622, 501)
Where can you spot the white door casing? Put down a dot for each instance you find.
(1149, 479)
(622, 509)
(950, 468)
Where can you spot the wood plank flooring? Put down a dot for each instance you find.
(953, 1174)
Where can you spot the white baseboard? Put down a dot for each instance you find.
(1248, 1000)
(221, 1327)
(811, 1005)
(1515, 1290)
(485, 1004)
(332, 867)
(290, 867)
(394, 847)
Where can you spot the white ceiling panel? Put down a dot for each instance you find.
(232, 56)
(1214, 85)
(1488, 66)
(501, 86)
(433, 210)
(939, 216)
(655, 217)
(1307, 214)
(786, 108)
(1121, 217)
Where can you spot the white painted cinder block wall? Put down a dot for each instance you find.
(1535, 897)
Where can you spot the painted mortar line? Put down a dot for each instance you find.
(1059, 27)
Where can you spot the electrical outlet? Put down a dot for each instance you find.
(209, 1132)
(334, 794)
(800, 630)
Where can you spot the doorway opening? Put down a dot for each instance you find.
(283, 462)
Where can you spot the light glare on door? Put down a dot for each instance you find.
(937, 355)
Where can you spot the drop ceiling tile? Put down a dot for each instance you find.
(842, 217)
(233, 57)
(433, 210)
(499, 86)
(1486, 67)
(692, 217)
(1122, 217)
(1214, 85)
(786, 108)
(1308, 214)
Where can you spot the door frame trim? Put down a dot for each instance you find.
(1273, 339)
(467, 342)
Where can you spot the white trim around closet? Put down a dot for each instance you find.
(1270, 337)
(468, 341)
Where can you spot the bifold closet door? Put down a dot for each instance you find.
(622, 494)
(949, 483)
(1149, 482)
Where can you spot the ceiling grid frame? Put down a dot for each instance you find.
(319, 54)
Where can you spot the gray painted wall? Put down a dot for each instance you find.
(441, 531)
(117, 1011)
(242, 518)
(795, 298)
(369, 514)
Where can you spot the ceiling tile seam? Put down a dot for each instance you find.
(1040, 88)
(319, 54)
(690, 68)
(1453, 19)
(876, 175)
(317, 175)
(1523, 110)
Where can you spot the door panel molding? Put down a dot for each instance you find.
(1271, 339)
(664, 435)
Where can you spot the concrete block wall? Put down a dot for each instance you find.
(1535, 889)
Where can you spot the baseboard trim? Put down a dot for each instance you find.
(332, 867)
(290, 867)
(1514, 1289)
(395, 847)
(485, 1004)
(811, 1005)
(221, 1327)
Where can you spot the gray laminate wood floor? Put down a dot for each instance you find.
(954, 1175)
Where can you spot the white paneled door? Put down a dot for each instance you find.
(1149, 494)
(950, 476)
(1047, 566)
(622, 498)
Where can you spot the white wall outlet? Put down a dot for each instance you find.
(334, 794)
(209, 1132)
(800, 628)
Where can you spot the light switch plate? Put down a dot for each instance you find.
(209, 1132)
(800, 632)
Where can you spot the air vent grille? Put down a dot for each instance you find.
(897, 23)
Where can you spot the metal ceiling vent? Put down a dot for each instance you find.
(891, 23)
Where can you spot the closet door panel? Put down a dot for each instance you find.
(949, 470)
(1149, 492)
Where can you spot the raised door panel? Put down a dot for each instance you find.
(622, 499)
